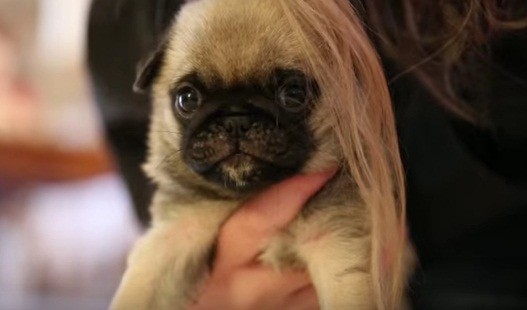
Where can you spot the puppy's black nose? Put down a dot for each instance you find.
(236, 125)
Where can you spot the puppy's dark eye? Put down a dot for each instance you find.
(293, 96)
(187, 100)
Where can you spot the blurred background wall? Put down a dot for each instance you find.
(65, 218)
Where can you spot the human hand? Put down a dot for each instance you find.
(238, 281)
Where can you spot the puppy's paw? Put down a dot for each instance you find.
(281, 253)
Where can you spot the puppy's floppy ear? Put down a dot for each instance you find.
(164, 13)
(148, 69)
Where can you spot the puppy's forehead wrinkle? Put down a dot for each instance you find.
(252, 85)
(231, 41)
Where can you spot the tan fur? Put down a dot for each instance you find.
(340, 233)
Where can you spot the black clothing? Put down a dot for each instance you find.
(467, 190)
(120, 34)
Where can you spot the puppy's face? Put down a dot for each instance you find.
(247, 134)
(233, 105)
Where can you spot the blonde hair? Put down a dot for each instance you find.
(344, 62)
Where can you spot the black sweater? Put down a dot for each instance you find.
(467, 189)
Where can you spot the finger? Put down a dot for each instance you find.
(304, 298)
(266, 288)
(244, 234)
(249, 287)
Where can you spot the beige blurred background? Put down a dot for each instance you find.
(66, 222)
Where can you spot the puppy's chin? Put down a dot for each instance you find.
(243, 172)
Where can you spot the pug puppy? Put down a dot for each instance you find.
(246, 94)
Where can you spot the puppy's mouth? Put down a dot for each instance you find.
(241, 171)
(239, 161)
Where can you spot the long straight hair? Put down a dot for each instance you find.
(345, 64)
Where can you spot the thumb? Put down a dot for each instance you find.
(244, 234)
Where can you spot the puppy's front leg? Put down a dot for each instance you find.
(340, 273)
(170, 261)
